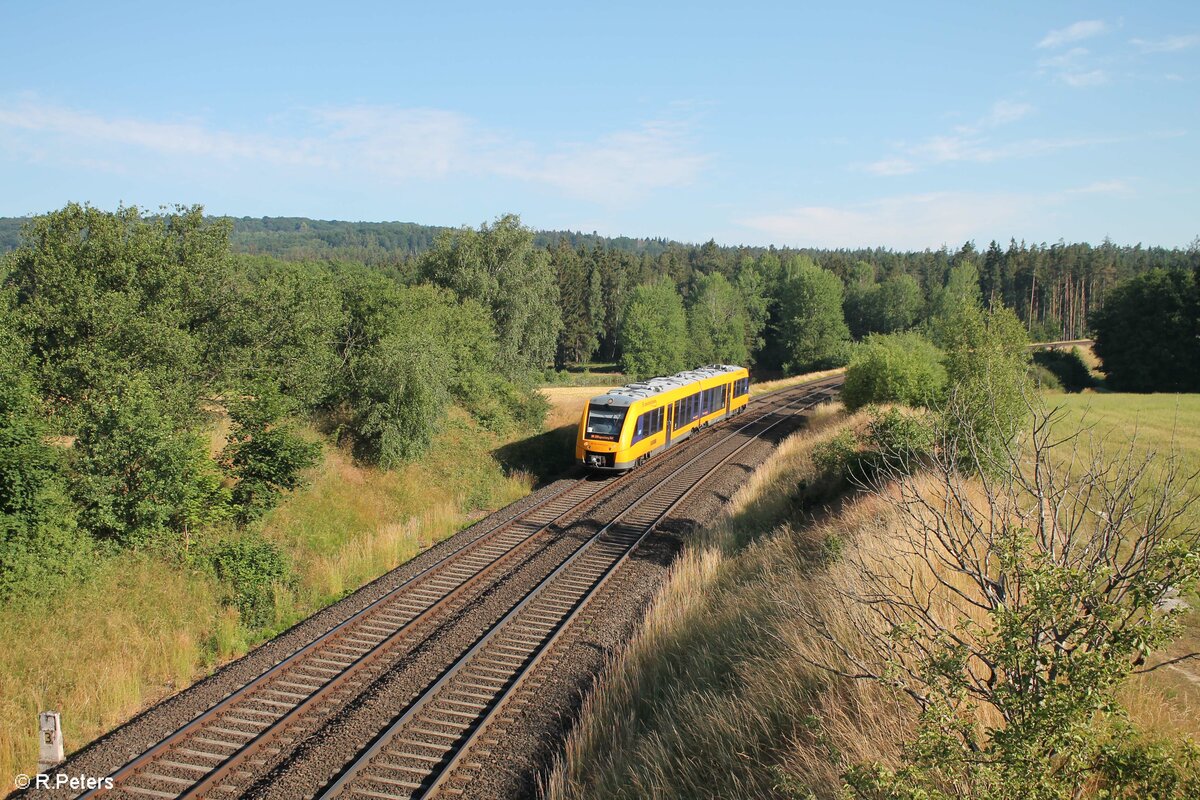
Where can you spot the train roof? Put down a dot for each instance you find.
(630, 393)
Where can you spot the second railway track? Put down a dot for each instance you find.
(225, 749)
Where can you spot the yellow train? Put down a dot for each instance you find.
(628, 425)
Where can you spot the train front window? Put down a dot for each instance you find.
(605, 423)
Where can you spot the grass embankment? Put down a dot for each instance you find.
(716, 696)
(710, 698)
(141, 628)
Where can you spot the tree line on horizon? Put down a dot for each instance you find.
(1053, 288)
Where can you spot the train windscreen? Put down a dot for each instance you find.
(604, 423)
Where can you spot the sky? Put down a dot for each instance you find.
(901, 125)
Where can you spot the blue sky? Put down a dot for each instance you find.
(905, 125)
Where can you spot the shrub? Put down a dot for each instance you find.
(264, 455)
(836, 456)
(138, 476)
(898, 368)
(897, 440)
(251, 568)
(39, 541)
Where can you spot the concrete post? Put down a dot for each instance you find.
(50, 749)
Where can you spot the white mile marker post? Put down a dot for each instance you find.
(50, 749)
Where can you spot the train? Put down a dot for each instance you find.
(627, 426)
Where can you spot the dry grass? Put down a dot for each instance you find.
(717, 695)
(786, 383)
(711, 699)
(136, 631)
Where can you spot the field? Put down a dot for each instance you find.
(141, 628)
(1161, 424)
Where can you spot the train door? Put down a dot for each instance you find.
(728, 397)
(668, 420)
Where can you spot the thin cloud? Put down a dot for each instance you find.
(913, 221)
(169, 138)
(1093, 77)
(365, 143)
(1169, 44)
(976, 143)
(917, 221)
(1084, 29)
(617, 167)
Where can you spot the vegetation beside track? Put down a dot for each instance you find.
(142, 627)
(718, 693)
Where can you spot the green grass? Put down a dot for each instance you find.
(1158, 423)
(140, 628)
(1163, 424)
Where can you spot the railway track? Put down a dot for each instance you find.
(427, 750)
(220, 752)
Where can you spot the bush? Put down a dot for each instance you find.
(252, 569)
(1067, 367)
(898, 368)
(1044, 379)
(264, 455)
(39, 541)
(897, 440)
(139, 477)
(836, 456)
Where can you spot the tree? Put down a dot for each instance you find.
(653, 334)
(102, 295)
(276, 324)
(755, 295)
(811, 325)
(578, 338)
(39, 540)
(860, 299)
(1146, 333)
(961, 291)
(987, 367)
(499, 267)
(897, 305)
(898, 368)
(717, 323)
(1010, 606)
(263, 453)
(139, 478)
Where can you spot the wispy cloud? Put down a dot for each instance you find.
(1169, 44)
(372, 143)
(1075, 67)
(974, 141)
(918, 221)
(1078, 31)
(170, 138)
(909, 221)
(616, 167)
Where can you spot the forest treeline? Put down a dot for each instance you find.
(1052, 287)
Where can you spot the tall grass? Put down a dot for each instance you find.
(141, 628)
(134, 632)
(710, 699)
(717, 695)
